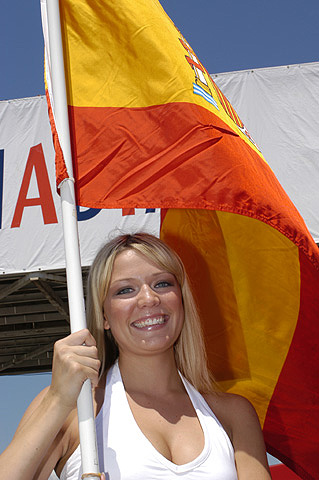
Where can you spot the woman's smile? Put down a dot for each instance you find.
(151, 322)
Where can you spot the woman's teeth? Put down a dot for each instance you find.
(150, 322)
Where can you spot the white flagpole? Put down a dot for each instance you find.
(90, 464)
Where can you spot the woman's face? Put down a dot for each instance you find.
(143, 307)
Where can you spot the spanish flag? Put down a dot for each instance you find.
(150, 129)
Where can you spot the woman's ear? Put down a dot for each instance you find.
(106, 322)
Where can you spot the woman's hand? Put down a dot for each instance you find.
(75, 360)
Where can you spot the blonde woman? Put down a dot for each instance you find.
(158, 415)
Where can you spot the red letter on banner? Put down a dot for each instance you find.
(45, 200)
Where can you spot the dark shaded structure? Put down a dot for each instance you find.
(33, 315)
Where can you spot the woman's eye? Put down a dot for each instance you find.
(125, 290)
(163, 284)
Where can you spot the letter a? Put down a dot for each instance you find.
(35, 161)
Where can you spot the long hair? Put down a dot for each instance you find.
(190, 352)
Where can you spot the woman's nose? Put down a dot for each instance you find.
(147, 297)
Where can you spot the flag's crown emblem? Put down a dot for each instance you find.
(205, 86)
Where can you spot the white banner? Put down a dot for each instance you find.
(278, 105)
(30, 215)
(280, 109)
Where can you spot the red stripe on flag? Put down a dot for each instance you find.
(147, 157)
(281, 472)
(61, 171)
(290, 416)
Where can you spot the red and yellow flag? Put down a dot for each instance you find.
(150, 129)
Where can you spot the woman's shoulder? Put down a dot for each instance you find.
(234, 412)
(228, 402)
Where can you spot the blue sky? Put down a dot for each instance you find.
(227, 35)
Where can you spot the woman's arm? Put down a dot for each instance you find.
(241, 423)
(38, 442)
(248, 441)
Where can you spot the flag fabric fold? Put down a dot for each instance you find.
(150, 129)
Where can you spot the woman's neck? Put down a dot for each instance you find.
(153, 374)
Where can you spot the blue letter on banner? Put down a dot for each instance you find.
(86, 214)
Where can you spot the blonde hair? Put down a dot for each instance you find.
(190, 352)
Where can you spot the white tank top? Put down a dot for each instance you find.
(126, 454)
